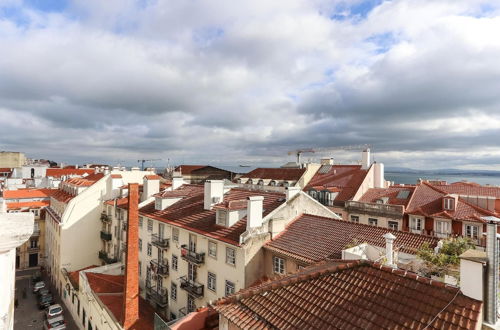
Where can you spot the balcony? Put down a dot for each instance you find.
(160, 242)
(36, 232)
(416, 231)
(160, 297)
(105, 218)
(182, 312)
(192, 256)
(33, 249)
(192, 287)
(105, 235)
(103, 255)
(160, 267)
(386, 210)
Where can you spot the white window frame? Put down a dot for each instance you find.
(150, 249)
(472, 228)
(150, 225)
(278, 265)
(212, 281)
(140, 221)
(175, 262)
(140, 245)
(390, 224)
(221, 218)
(173, 291)
(416, 223)
(439, 227)
(212, 249)
(175, 234)
(354, 218)
(230, 256)
(371, 220)
(448, 203)
(229, 288)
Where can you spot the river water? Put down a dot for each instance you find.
(411, 178)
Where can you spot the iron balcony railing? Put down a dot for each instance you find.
(388, 210)
(162, 243)
(194, 288)
(103, 255)
(182, 312)
(192, 256)
(105, 218)
(159, 296)
(159, 267)
(105, 235)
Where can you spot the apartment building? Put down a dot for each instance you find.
(73, 225)
(200, 173)
(201, 242)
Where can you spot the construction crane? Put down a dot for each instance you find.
(142, 161)
(299, 152)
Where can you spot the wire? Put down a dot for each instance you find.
(432, 321)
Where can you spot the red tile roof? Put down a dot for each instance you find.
(357, 295)
(152, 177)
(331, 236)
(62, 196)
(86, 181)
(346, 177)
(287, 174)
(5, 170)
(187, 169)
(105, 283)
(469, 189)
(116, 176)
(373, 194)
(74, 276)
(28, 193)
(28, 205)
(232, 205)
(58, 172)
(190, 214)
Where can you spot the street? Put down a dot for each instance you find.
(27, 315)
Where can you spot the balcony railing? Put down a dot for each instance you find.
(192, 256)
(182, 312)
(416, 231)
(162, 243)
(159, 296)
(105, 235)
(36, 232)
(103, 255)
(393, 211)
(160, 267)
(194, 288)
(105, 218)
(34, 249)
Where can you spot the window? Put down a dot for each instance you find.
(141, 219)
(416, 223)
(230, 256)
(150, 225)
(175, 234)
(372, 221)
(393, 225)
(472, 231)
(355, 218)
(173, 316)
(442, 227)
(221, 217)
(192, 271)
(191, 306)
(229, 288)
(33, 243)
(140, 244)
(149, 249)
(211, 282)
(173, 291)
(278, 265)
(212, 249)
(174, 262)
(448, 203)
(140, 268)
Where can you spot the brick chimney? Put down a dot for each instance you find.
(131, 293)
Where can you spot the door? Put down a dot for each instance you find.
(192, 243)
(33, 261)
(161, 231)
(192, 272)
(18, 261)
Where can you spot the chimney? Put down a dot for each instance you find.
(131, 293)
(389, 251)
(214, 193)
(177, 181)
(151, 186)
(254, 211)
(491, 306)
(106, 170)
(291, 192)
(472, 264)
(379, 174)
(365, 159)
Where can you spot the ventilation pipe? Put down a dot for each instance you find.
(389, 249)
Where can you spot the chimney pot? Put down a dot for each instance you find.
(389, 251)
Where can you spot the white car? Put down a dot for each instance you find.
(38, 286)
(53, 311)
(56, 323)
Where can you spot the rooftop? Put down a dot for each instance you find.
(287, 174)
(27, 205)
(28, 193)
(59, 172)
(359, 295)
(396, 195)
(331, 236)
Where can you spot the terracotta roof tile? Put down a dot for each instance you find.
(187, 169)
(28, 193)
(288, 174)
(152, 177)
(468, 189)
(74, 276)
(28, 205)
(58, 172)
(392, 194)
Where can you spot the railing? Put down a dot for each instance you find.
(105, 218)
(36, 232)
(192, 256)
(160, 297)
(105, 235)
(375, 209)
(416, 231)
(103, 255)
(160, 266)
(194, 288)
(182, 312)
(160, 242)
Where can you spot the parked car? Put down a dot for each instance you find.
(43, 292)
(56, 323)
(45, 301)
(37, 277)
(53, 311)
(38, 286)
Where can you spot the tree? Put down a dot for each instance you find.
(446, 260)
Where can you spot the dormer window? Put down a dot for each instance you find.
(272, 183)
(449, 203)
(238, 181)
(286, 184)
(250, 181)
(261, 182)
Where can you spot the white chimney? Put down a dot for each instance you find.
(151, 186)
(379, 175)
(491, 306)
(106, 170)
(214, 193)
(135, 169)
(291, 192)
(365, 159)
(254, 211)
(472, 264)
(177, 181)
(389, 250)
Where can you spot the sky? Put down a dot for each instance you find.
(244, 82)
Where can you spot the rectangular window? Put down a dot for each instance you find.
(448, 204)
(442, 227)
(229, 288)
(150, 225)
(212, 249)
(173, 291)
(221, 217)
(192, 271)
(211, 282)
(472, 231)
(175, 234)
(416, 224)
(372, 221)
(230, 256)
(174, 262)
(141, 219)
(149, 249)
(393, 225)
(140, 268)
(191, 306)
(278, 265)
(355, 218)
(140, 244)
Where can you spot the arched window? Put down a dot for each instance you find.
(261, 182)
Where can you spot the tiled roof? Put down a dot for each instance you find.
(354, 295)
(288, 174)
(62, 196)
(85, 181)
(190, 214)
(5, 170)
(28, 205)
(28, 193)
(152, 177)
(392, 193)
(74, 276)
(58, 172)
(232, 205)
(469, 189)
(187, 169)
(331, 236)
(105, 283)
(116, 176)
(346, 177)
